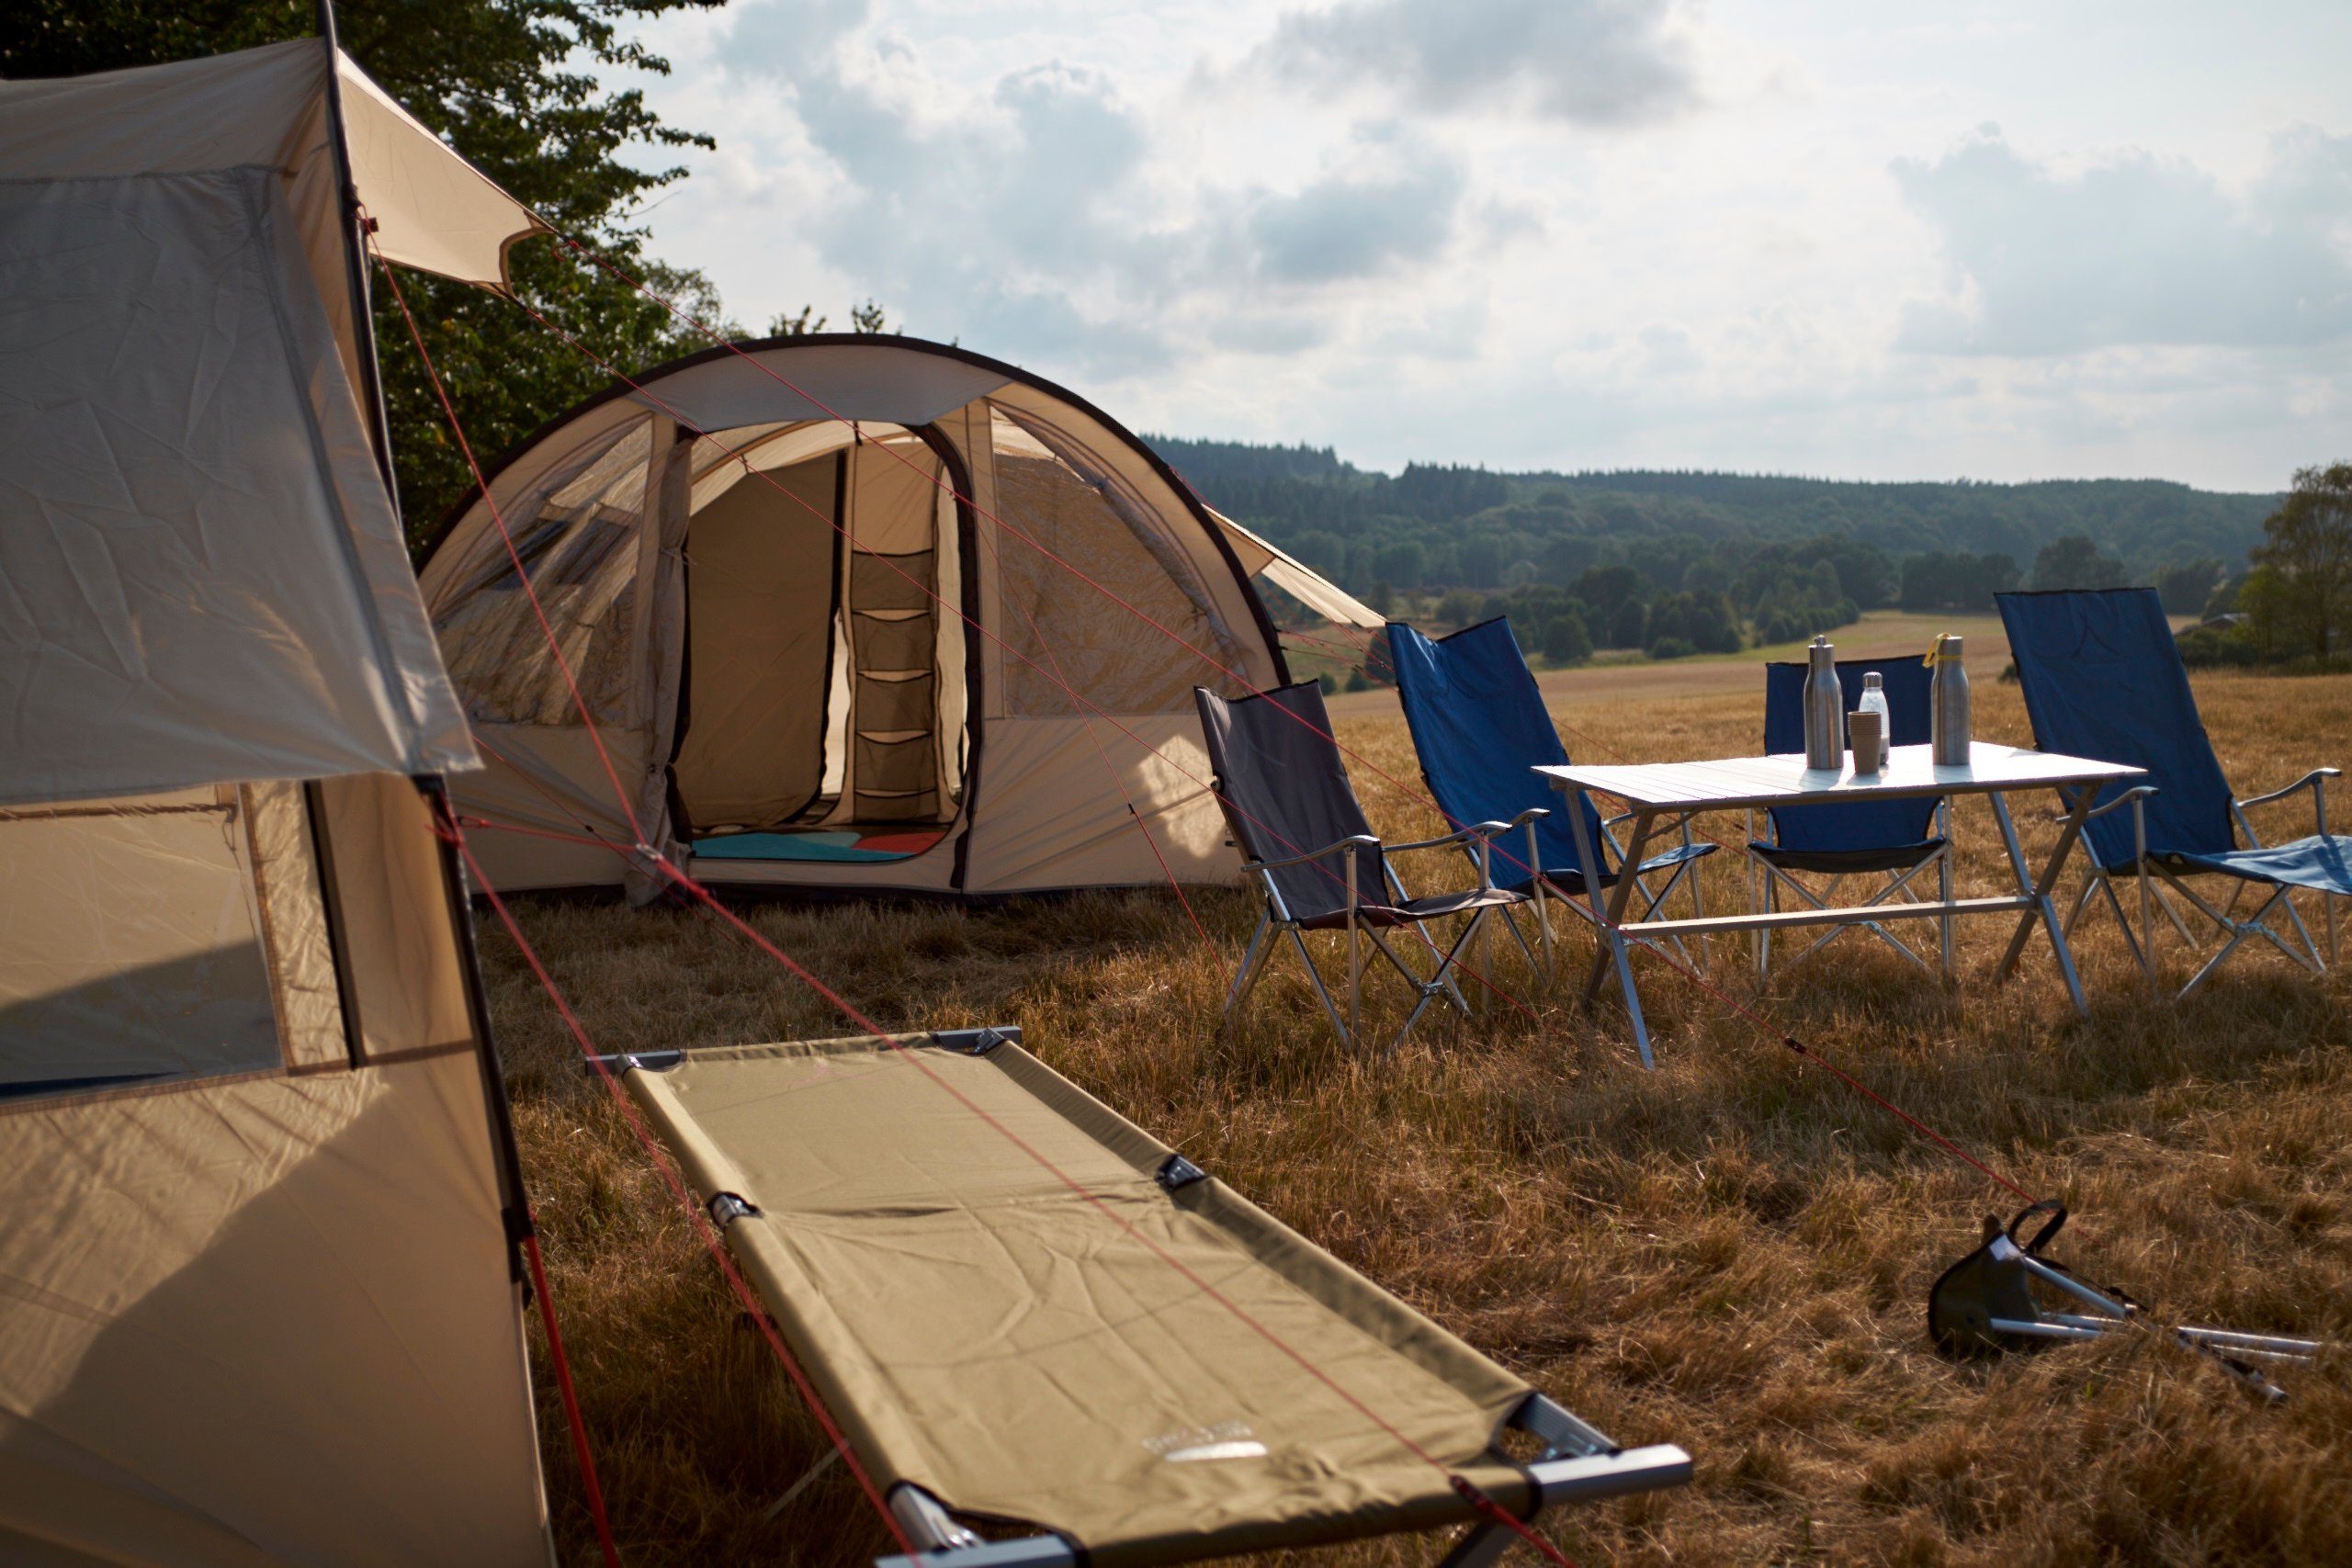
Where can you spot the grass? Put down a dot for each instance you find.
(1733, 1253)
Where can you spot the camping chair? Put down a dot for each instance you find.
(996, 1284)
(1481, 730)
(1898, 838)
(2103, 679)
(1304, 838)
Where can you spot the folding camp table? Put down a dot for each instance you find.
(1670, 794)
(1026, 1312)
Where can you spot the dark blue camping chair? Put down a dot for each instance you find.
(2103, 679)
(1481, 728)
(1303, 837)
(1898, 838)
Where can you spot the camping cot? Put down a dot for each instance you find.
(1023, 1310)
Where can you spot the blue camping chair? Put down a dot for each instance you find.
(1481, 728)
(1898, 838)
(2103, 679)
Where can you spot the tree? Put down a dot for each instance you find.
(2263, 598)
(2185, 586)
(1565, 641)
(1626, 625)
(2308, 543)
(2073, 561)
(1607, 588)
(513, 86)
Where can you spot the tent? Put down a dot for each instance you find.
(259, 1297)
(805, 588)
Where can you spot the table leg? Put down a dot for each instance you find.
(2039, 892)
(1613, 948)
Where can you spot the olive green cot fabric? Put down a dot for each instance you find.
(989, 1334)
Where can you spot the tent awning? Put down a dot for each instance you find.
(266, 108)
(202, 578)
(1262, 558)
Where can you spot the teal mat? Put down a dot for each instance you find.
(837, 845)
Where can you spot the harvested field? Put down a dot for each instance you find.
(1732, 1253)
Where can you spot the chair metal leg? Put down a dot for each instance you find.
(1440, 983)
(1314, 978)
(1253, 961)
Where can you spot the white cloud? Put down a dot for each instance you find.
(1592, 61)
(1594, 232)
(2132, 250)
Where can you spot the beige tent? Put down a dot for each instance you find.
(257, 1292)
(765, 606)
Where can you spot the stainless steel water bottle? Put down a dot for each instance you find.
(1947, 704)
(1825, 708)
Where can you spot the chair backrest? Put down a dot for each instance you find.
(1855, 824)
(2103, 679)
(1481, 728)
(1285, 792)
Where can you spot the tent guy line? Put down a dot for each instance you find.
(1460, 1484)
(704, 1230)
(753, 471)
(1645, 944)
(559, 238)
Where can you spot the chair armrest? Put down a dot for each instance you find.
(1360, 839)
(2309, 781)
(1476, 831)
(2137, 792)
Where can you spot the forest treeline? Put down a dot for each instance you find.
(1680, 562)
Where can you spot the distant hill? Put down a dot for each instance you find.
(1437, 526)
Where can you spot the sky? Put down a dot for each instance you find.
(1991, 239)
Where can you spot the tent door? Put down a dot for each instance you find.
(821, 688)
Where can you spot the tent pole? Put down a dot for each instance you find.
(519, 1225)
(355, 249)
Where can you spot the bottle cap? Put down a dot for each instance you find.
(1871, 682)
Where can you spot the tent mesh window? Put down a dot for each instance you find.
(576, 531)
(1051, 488)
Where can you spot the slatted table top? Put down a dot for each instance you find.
(1786, 780)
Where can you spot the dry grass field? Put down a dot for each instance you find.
(1732, 1253)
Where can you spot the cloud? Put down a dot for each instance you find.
(2137, 250)
(1038, 212)
(1598, 62)
(1399, 206)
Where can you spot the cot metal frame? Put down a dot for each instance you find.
(2159, 881)
(1579, 1466)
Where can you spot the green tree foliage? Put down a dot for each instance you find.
(513, 85)
(2307, 550)
(2186, 587)
(1566, 641)
(1936, 580)
(1625, 624)
(1701, 623)
(2075, 561)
